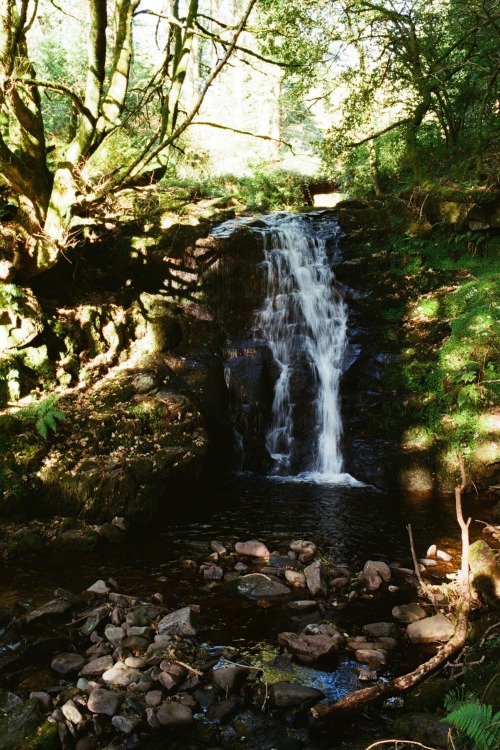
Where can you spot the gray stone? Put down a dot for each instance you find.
(44, 699)
(424, 728)
(303, 547)
(258, 586)
(94, 620)
(309, 648)
(218, 547)
(71, 712)
(54, 608)
(67, 663)
(409, 612)
(19, 723)
(104, 702)
(120, 674)
(381, 629)
(288, 695)
(115, 634)
(136, 662)
(177, 623)
(126, 723)
(153, 697)
(304, 605)
(375, 658)
(223, 711)
(99, 588)
(252, 548)
(97, 667)
(8, 701)
(314, 579)
(295, 577)
(172, 714)
(436, 629)
(374, 572)
(230, 678)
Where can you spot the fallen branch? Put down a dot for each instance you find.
(362, 698)
(425, 588)
(399, 742)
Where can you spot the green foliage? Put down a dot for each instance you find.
(475, 719)
(44, 413)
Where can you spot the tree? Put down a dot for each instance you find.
(48, 171)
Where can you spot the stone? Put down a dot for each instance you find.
(8, 701)
(423, 728)
(309, 648)
(172, 714)
(252, 548)
(44, 699)
(303, 547)
(230, 678)
(381, 630)
(97, 667)
(167, 680)
(71, 712)
(120, 674)
(67, 663)
(19, 723)
(409, 612)
(295, 577)
(177, 623)
(485, 570)
(364, 674)
(126, 723)
(304, 605)
(375, 658)
(218, 547)
(104, 702)
(289, 695)
(431, 551)
(112, 533)
(374, 572)
(94, 620)
(136, 662)
(115, 634)
(337, 584)
(153, 697)
(314, 579)
(436, 629)
(99, 588)
(259, 586)
(444, 556)
(83, 539)
(212, 573)
(282, 563)
(53, 609)
(223, 711)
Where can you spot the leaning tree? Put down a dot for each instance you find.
(72, 77)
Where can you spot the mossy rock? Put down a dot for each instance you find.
(421, 727)
(19, 726)
(25, 543)
(429, 696)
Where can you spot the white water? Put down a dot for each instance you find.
(304, 321)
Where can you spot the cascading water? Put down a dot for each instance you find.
(303, 321)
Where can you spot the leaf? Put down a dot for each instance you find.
(477, 722)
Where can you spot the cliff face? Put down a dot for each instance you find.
(147, 339)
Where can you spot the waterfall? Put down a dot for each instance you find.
(304, 320)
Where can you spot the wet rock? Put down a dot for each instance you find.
(97, 667)
(177, 623)
(258, 586)
(337, 584)
(303, 549)
(230, 678)
(288, 695)
(314, 579)
(99, 588)
(104, 702)
(94, 620)
(252, 548)
(434, 629)
(223, 711)
(381, 629)
(8, 701)
(424, 728)
(53, 609)
(283, 563)
(19, 724)
(365, 674)
(309, 648)
(375, 658)
(172, 714)
(409, 612)
(374, 573)
(67, 663)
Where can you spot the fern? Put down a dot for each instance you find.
(478, 723)
(44, 413)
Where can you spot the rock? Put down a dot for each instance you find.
(112, 533)
(153, 697)
(8, 701)
(429, 697)
(374, 572)
(71, 713)
(258, 586)
(295, 577)
(365, 674)
(44, 699)
(212, 573)
(485, 570)
(120, 674)
(77, 539)
(177, 623)
(289, 695)
(115, 634)
(218, 547)
(144, 382)
(314, 579)
(444, 556)
(431, 551)
(99, 588)
(252, 548)
(375, 658)
(104, 702)
(303, 547)
(53, 609)
(422, 728)
(304, 605)
(436, 629)
(283, 563)
(221, 712)
(136, 662)
(126, 723)
(230, 678)
(97, 667)
(94, 620)
(172, 714)
(381, 630)
(20, 723)
(67, 663)
(309, 648)
(337, 584)
(409, 612)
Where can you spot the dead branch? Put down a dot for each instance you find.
(364, 697)
(399, 742)
(425, 588)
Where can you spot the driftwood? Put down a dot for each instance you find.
(362, 698)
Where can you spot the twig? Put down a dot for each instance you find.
(416, 565)
(189, 669)
(487, 632)
(399, 742)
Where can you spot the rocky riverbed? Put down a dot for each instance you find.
(107, 669)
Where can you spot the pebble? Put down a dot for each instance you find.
(103, 702)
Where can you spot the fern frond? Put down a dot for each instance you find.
(477, 722)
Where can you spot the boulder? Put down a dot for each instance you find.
(288, 695)
(50, 610)
(309, 648)
(19, 724)
(381, 630)
(409, 612)
(436, 629)
(259, 586)
(485, 570)
(422, 728)
(230, 678)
